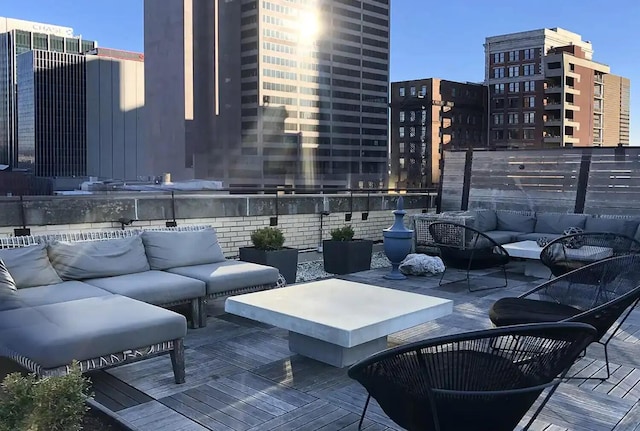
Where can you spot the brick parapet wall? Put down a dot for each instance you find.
(301, 230)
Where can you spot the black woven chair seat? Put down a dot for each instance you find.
(514, 311)
(404, 394)
(477, 381)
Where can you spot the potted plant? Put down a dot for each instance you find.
(343, 254)
(268, 249)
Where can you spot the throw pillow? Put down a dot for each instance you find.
(8, 295)
(30, 266)
(172, 249)
(80, 260)
(575, 241)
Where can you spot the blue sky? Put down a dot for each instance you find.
(429, 38)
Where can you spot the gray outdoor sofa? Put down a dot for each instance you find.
(96, 298)
(505, 226)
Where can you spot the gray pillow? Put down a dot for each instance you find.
(29, 266)
(8, 296)
(515, 222)
(171, 249)
(485, 220)
(610, 224)
(558, 222)
(79, 260)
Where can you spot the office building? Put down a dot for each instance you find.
(427, 117)
(52, 138)
(114, 115)
(18, 37)
(547, 91)
(270, 92)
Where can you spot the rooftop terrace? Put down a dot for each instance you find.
(240, 374)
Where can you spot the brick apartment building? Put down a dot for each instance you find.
(428, 116)
(546, 91)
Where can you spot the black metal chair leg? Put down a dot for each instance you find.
(363, 412)
(606, 360)
(541, 406)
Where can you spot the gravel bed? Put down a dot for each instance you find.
(314, 270)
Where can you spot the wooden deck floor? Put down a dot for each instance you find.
(241, 375)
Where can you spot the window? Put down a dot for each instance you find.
(529, 117)
(529, 102)
(401, 132)
(514, 55)
(529, 69)
(514, 102)
(529, 54)
(423, 90)
(530, 86)
(528, 133)
(514, 71)
(412, 116)
(498, 88)
(498, 118)
(498, 57)
(401, 91)
(514, 133)
(401, 162)
(514, 87)
(513, 118)
(402, 116)
(401, 147)
(498, 72)
(498, 134)
(454, 92)
(412, 132)
(412, 91)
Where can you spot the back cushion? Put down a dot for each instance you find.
(171, 249)
(514, 221)
(79, 260)
(29, 266)
(8, 296)
(558, 222)
(485, 220)
(613, 225)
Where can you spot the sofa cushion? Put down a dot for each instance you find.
(169, 249)
(29, 266)
(229, 275)
(154, 287)
(613, 225)
(485, 220)
(61, 292)
(514, 221)
(557, 222)
(502, 236)
(8, 290)
(51, 334)
(79, 260)
(534, 236)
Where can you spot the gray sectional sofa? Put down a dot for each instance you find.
(506, 226)
(97, 298)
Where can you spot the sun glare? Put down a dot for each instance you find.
(309, 25)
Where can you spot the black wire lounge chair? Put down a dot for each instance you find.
(464, 247)
(599, 294)
(476, 381)
(569, 252)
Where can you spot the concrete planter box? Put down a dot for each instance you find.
(345, 257)
(285, 259)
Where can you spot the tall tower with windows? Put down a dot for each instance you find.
(269, 92)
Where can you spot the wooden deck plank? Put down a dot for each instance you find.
(241, 375)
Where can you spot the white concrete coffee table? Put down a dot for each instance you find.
(531, 250)
(335, 321)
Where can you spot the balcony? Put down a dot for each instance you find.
(553, 89)
(553, 139)
(570, 89)
(570, 139)
(572, 123)
(553, 72)
(570, 106)
(553, 122)
(552, 104)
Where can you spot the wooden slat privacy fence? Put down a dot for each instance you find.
(589, 180)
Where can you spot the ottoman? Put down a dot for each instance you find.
(97, 332)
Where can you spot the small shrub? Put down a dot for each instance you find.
(344, 233)
(16, 401)
(267, 238)
(48, 404)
